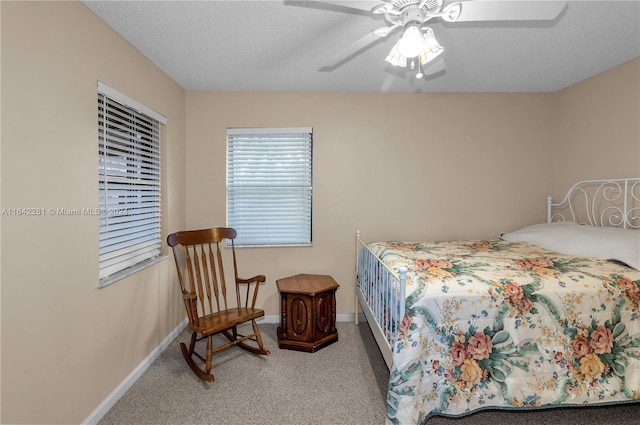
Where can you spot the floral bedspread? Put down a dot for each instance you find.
(500, 324)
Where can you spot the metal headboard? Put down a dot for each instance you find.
(604, 203)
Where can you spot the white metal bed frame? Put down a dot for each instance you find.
(603, 203)
(381, 293)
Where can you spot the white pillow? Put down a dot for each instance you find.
(569, 237)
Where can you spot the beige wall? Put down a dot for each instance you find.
(66, 344)
(597, 128)
(433, 166)
(407, 166)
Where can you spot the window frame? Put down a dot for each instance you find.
(132, 165)
(302, 202)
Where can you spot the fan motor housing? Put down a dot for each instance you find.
(412, 15)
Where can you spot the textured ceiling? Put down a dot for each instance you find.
(280, 46)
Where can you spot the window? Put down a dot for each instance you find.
(269, 185)
(129, 184)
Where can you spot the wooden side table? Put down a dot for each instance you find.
(308, 312)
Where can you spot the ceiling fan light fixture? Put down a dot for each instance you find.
(395, 58)
(412, 42)
(432, 49)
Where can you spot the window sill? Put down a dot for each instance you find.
(129, 271)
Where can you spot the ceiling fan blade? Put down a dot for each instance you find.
(385, 31)
(350, 50)
(367, 5)
(501, 10)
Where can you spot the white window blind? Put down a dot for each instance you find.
(129, 185)
(269, 188)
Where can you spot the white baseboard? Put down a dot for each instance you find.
(115, 395)
(269, 319)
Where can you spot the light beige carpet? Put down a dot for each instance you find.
(338, 384)
(343, 383)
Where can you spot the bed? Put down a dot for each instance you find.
(544, 316)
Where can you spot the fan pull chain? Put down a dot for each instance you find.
(419, 74)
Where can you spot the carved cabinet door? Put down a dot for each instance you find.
(324, 315)
(299, 317)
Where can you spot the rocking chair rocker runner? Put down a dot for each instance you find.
(199, 262)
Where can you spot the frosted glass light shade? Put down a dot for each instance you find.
(411, 43)
(430, 49)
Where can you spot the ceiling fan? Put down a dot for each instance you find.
(418, 46)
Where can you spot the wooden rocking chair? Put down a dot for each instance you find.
(199, 262)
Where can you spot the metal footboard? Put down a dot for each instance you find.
(381, 295)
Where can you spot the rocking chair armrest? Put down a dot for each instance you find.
(257, 279)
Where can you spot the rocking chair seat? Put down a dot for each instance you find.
(226, 319)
